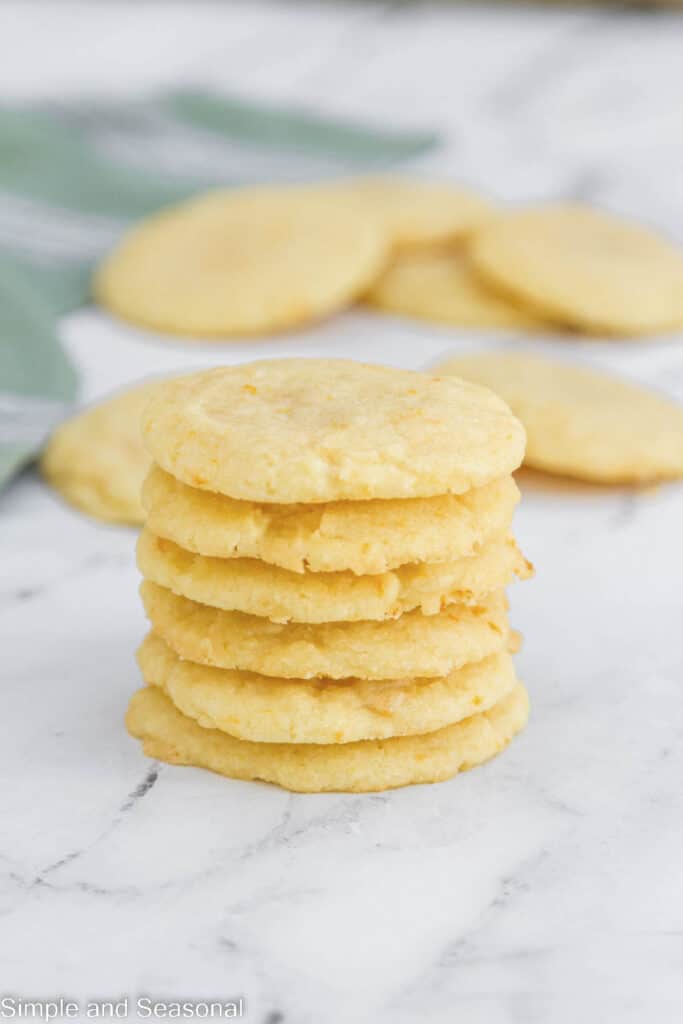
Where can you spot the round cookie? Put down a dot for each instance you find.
(362, 767)
(365, 537)
(413, 212)
(584, 268)
(439, 285)
(256, 588)
(581, 422)
(96, 460)
(413, 645)
(241, 262)
(321, 430)
(264, 710)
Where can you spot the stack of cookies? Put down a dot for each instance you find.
(325, 554)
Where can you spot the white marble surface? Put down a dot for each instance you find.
(545, 887)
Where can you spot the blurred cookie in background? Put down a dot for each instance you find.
(413, 212)
(581, 422)
(245, 261)
(96, 460)
(584, 268)
(438, 284)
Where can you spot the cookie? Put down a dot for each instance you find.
(439, 285)
(413, 645)
(584, 268)
(241, 262)
(360, 536)
(256, 588)
(364, 766)
(96, 460)
(581, 422)
(264, 710)
(413, 212)
(321, 430)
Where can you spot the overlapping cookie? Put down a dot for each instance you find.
(362, 767)
(251, 586)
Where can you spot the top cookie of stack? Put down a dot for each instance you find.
(325, 554)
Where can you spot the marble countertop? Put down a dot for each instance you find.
(544, 887)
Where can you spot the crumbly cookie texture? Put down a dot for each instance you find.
(241, 262)
(411, 212)
(97, 461)
(265, 710)
(364, 537)
(581, 422)
(584, 268)
(256, 588)
(321, 430)
(413, 645)
(440, 285)
(364, 766)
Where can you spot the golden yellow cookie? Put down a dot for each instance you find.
(414, 645)
(320, 430)
(440, 285)
(365, 766)
(361, 536)
(413, 212)
(584, 268)
(97, 461)
(265, 710)
(241, 261)
(581, 422)
(256, 588)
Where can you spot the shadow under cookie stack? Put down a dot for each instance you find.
(325, 555)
